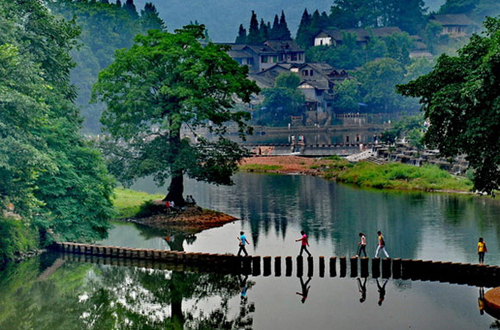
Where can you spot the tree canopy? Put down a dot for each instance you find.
(461, 99)
(48, 173)
(174, 83)
(281, 101)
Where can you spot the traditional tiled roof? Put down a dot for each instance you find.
(267, 77)
(238, 54)
(317, 84)
(451, 19)
(283, 45)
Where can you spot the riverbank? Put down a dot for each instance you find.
(394, 176)
(17, 239)
(192, 220)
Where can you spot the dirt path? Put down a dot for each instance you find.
(288, 164)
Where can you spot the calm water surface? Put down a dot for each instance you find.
(50, 293)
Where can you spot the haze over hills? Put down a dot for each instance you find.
(223, 17)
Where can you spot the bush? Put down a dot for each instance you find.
(15, 237)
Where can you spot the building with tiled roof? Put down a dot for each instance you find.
(263, 56)
(454, 24)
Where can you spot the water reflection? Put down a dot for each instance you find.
(362, 289)
(273, 208)
(50, 293)
(381, 291)
(304, 293)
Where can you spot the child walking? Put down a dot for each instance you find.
(305, 243)
(243, 241)
(481, 250)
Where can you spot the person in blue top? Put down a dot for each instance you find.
(243, 241)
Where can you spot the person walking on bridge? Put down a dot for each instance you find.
(381, 245)
(481, 250)
(243, 241)
(305, 243)
(362, 244)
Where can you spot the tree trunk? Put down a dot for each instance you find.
(176, 190)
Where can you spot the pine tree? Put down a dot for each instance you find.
(105, 2)
(316, 24)
(253, 32)
(264, 32)
(118, 3)
(242, 35)
(284, 31)
(130, 8)
(303, 37)
(150, 18)
(275, 30)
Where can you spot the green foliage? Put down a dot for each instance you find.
(347, 96)
(460, 98)
(407, 15)
(411, 127)
(258, 34)
(170, 80)
(127, 202)
(349, 55)
(377, 83)
(259, 168)
(52, 177)
(281, 101)
(15, 236)
(458, 6)
(104, 28)
(399, 176)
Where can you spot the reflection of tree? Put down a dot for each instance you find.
(31, 303)
(86, 296)
(133, 298)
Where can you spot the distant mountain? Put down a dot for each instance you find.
(223, 17)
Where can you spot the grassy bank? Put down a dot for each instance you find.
(396, 176)
(127, 202)
(16, 236)
(259, 168)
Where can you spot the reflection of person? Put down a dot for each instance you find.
(305, 243)
(381, 292)
(480, 300)
(362, 244)
(243, 286)
(362, 289)
(305, 289)
(481, 250)
(243, 241)
(381, 245)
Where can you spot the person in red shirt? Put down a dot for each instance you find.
(305, 243)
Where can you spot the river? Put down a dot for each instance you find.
(50, 293)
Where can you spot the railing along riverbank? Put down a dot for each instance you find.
(425, 270)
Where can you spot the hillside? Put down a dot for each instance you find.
(223, 17)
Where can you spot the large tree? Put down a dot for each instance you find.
(461, 99)
(173, 82)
